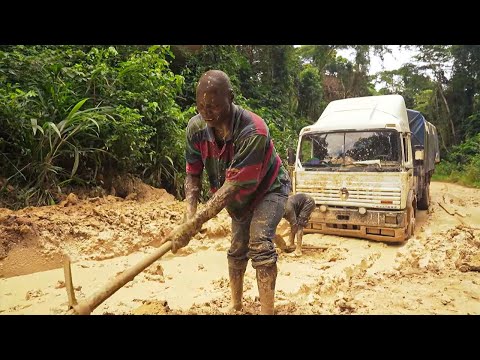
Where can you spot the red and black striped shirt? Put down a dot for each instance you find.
(247, 159)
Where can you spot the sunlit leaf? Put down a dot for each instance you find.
(76, 108)
(54, 127)
(75, 164)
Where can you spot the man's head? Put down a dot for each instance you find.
(214, 98)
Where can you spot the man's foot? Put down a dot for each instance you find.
(297, 253)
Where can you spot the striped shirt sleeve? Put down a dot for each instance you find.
(193, 157)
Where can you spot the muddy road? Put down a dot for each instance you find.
(435, 272)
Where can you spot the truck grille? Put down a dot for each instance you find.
(380, 197)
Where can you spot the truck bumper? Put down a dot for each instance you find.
(375, 225)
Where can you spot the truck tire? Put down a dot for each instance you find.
(424, 202)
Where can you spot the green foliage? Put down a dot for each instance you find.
(422, 102)
(69, 113)
(310, 93)
(471, 126)
(318, 56)
(463, 153)
(128, 138)
(468, 175)
(212, 57)
(59, 144)
(462, 164)
(42, 85)
(284, 132)
(346, 79)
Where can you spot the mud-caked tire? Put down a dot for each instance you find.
(424, 202)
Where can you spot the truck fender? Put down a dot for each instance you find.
(411, 214)
(412, 199)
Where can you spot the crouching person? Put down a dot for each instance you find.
(298, 209)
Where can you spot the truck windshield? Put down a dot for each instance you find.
(351, 151)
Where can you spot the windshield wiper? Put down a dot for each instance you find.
(317, 163)
(368, 162)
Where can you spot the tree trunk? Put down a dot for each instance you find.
(448, 112)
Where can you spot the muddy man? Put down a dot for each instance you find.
(298, 209)
(246, 176)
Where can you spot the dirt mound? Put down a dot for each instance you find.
(14, 230)
(452, 250)
(86, 229)
(132, 188)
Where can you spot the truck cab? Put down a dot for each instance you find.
(357, 162)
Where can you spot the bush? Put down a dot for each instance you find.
(462, 164)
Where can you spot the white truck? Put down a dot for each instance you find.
(365, 168)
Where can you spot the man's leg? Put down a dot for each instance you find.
(237, 260)
(266, 217)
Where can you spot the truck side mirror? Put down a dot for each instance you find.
(290, 156)
(419, 155)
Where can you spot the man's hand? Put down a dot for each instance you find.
(181, 235)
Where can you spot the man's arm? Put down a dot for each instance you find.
(217, 202)
(181, 235)
(193, 187)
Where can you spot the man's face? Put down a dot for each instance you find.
(214, 107)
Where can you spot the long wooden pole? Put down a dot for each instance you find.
(87, 306)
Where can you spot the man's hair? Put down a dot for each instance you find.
(218, 79)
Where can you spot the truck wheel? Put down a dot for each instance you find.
(411, 222)
(425, 200)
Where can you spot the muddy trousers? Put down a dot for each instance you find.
(252, 239)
